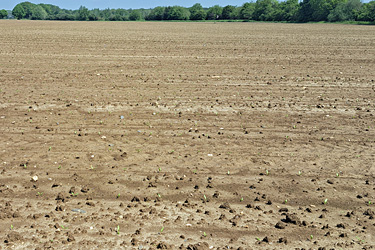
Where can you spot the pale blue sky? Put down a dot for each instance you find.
(124, 4)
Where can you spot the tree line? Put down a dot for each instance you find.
(261, 10)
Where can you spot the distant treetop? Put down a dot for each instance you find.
(261, 10)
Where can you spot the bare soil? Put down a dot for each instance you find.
(186, 135)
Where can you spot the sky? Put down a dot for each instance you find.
(123, 4)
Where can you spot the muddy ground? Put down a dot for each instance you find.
(155, 135)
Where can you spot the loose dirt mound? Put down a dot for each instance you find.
(186, 136)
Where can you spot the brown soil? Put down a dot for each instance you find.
(186, 136)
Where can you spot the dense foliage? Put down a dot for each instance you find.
(3, 14)
(261, 10)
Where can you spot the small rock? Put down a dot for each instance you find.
(135, 199)
(134, 241)
(225, 206)
(70, 238)
(85, 189)
(340, 225)
(330, 182)
(343, 235)
(265, 239)
(216, 194)
(293, 219)
(163, 245)
(90, 203)
(222, 217)
(249, 205)
(369, 213)
(199, 246)
(60, 196)
(283, 240)
(60, 208)
(280, 225)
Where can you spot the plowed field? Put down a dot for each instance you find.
(126, 135)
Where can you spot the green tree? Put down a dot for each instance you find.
(50, 9)
(197, 12)
(144, 12)
(214, 13)
(3, 14)
(83, 14)
(28, 7)
(228, 12)
(105, 14)
(265, 10)
(236, 13)
(135, 15)
(156, 14)
(65, 15)
(305, 12)
(39, 13)
(114, 17)
(367, 13)
(176, 13)
(345, 11)
(124, 14)
(247, 11)
(18, 12)
(322, 8)
(287, 11)
(94, 15)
